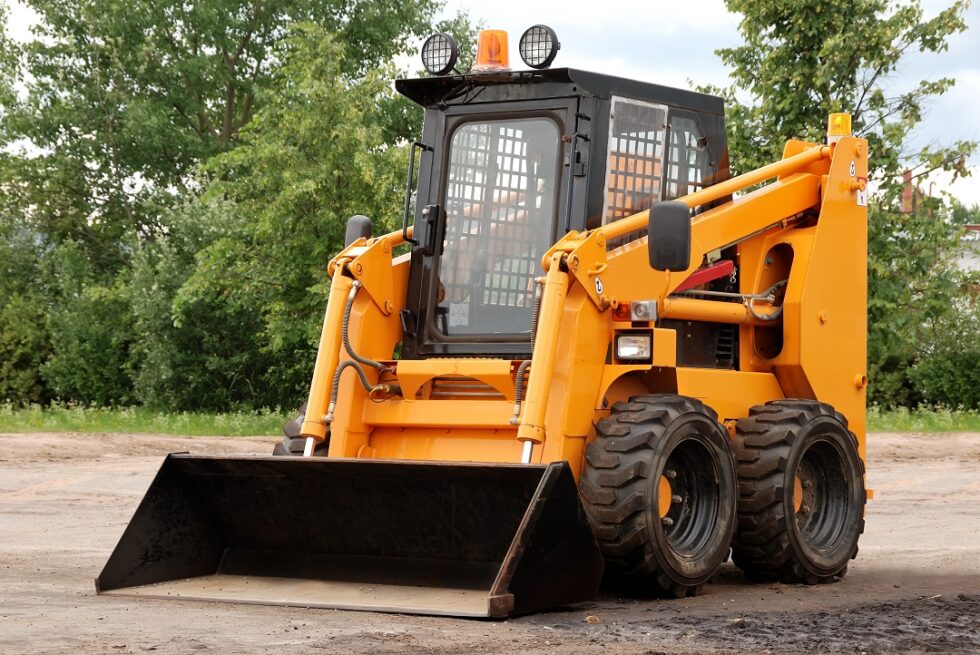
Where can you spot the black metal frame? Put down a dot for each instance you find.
(582, 101)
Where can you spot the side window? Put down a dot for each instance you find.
(686, 158)
(634, 162)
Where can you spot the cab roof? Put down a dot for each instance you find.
(429, 91)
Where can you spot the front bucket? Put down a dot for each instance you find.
(453, 539)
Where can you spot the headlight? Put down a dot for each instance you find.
(439, 53)
(634, 346)
(538, 46)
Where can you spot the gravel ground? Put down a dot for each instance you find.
(915, 587)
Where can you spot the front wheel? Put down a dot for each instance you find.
(659, 487)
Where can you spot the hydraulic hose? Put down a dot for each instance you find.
(519, 391)
(355, 362)
(769, 295)
(535, 311)
(344, 331)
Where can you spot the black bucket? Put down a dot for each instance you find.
(483, 540)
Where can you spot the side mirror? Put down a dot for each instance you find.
(357, 226)
(669, 236)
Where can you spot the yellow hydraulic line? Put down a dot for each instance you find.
(712, 311)
(716, 191)
(327, 356)
(531, 430)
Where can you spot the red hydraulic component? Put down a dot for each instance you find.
(706, 274)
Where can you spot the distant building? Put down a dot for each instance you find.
(970, 259)
(910, 193)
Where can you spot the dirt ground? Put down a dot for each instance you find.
(915, 587)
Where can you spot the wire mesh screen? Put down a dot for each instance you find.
(437, 52)
(500, 209)
(687, 158)
(634, 167)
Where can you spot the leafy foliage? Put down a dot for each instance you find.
(23, 348)
(144, 258)
(203, 352)
(91, 333)
(238, 283)
(125, 98)
(24, 342)
(948, 372)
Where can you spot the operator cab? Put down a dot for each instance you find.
(510, 161)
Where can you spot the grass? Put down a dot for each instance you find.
(923, 419)
(69, 418)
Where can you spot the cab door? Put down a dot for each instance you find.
(498, 182)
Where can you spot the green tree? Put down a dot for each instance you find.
(119, 106)
(91, 333)
(8, 63)
(24, 343)
(803, 59)
(202, 353)
(23, 348)
(125, 98)
(965, 215)
(948, 371)
(312, 156)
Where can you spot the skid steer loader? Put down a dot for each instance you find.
(599, 358)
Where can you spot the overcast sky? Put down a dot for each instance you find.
(647, 41)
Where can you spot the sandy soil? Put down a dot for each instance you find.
(915, 587)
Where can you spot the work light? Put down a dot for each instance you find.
(439, 53)
(538, 46)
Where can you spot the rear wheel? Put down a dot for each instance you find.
(659, 487)
(801, 493)
(293, 444)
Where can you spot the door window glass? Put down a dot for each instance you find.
(501, 202)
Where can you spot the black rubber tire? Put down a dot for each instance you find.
(633, 448)
(293, 444)
(774, 542)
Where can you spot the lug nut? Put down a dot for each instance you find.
(806, 484)
(804, 509)
(670, 474)
(676, 499)
(667, 521)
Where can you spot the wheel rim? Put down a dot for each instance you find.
(692, 515)
(664, 496)
(822, 498)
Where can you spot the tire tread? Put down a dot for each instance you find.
(762, 546)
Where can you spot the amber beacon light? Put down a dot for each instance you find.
(491, 52)
(838, 125)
